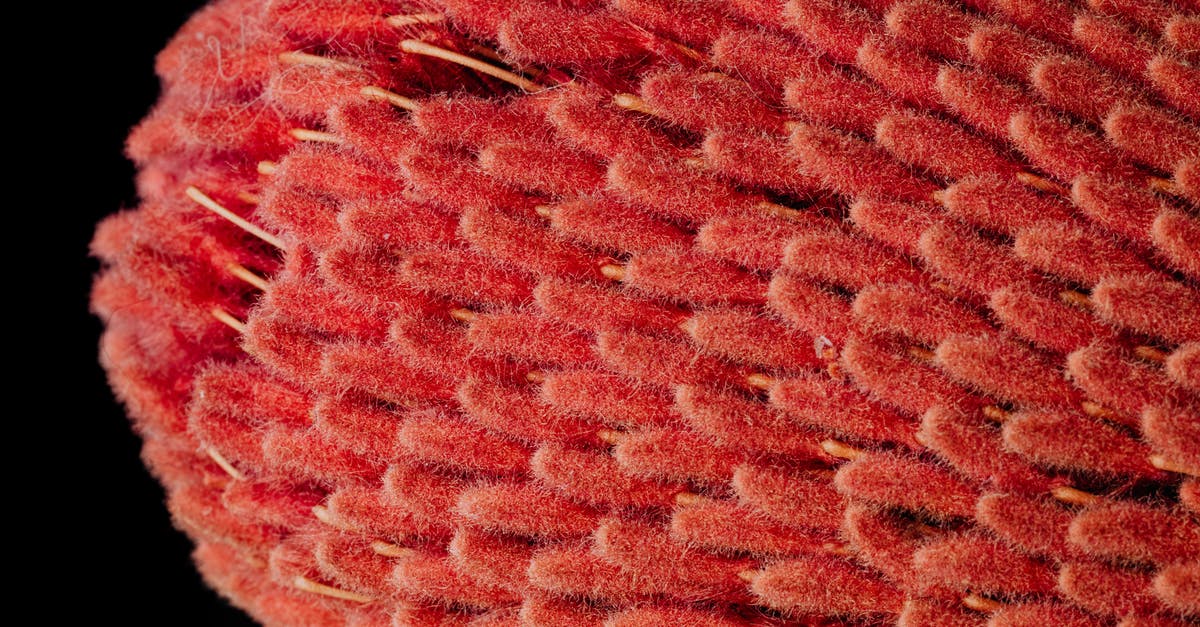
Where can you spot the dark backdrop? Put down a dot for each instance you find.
(117, 559)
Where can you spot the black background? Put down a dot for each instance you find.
(117, 558)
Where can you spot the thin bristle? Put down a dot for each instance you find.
(414, 46)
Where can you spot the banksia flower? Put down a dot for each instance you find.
(817, 312)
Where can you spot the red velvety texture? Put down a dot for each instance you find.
(563, 357)
(825, 585)
(885, 479)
